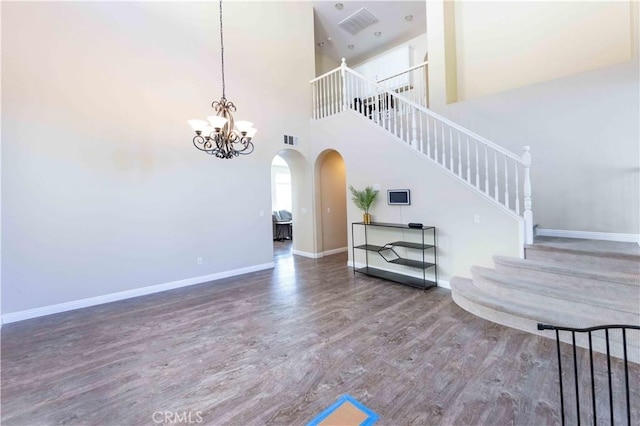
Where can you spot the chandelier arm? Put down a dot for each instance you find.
(199, 142)
(249, 145)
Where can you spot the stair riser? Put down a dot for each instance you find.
(546, 278)
(618, 311)
(530, 326)
(611, 264)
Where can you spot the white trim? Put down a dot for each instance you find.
(606, 236)
(307, 254)
(335, 251)
(113, 297)
(444, 284)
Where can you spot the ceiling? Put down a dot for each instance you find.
(334, 41)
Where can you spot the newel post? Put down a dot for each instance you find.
(343, 74)
(528, 214)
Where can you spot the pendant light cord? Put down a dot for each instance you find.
(222, 52)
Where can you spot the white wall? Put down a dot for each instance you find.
(102, 190)
(584, 136)
(372, 156)
(325, 64)
(442, 62)
(417, 48)
(505, 45)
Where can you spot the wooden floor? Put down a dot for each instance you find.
(277, 347)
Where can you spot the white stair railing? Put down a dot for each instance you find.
(491, 170)
(411, 84)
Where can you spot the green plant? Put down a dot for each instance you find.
(365, 198)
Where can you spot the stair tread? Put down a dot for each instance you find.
(467, 289)
(569, 269)
(568, 293)
(611, 249)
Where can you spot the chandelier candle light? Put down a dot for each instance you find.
(221, 135)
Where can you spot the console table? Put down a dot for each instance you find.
(418, 252)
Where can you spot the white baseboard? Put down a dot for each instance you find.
(441, 283)
(321, 254)
(335, 251)
(307, 254)
(113, 297)
(606, 236)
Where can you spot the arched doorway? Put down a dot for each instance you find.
(331, 213)
(301, 236)
(281, 207)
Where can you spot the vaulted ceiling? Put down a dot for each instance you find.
(380, 26)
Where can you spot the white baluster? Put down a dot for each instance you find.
(318, 101)
(428, 138)
(486, 171)
(385, 112)
(407, 123)
(337, 98)
(395, 118)
(468, 162)
(329, 96)
(319, 98)
(528, 213)
(329, 101)
(506, 183)
(421, 133)
(435, 140)
(346, 92)
(313, 101)
(363, 96)
(414, 129)
(477, 167)
(451, 149)
(343, 72)
(325, 98)
(495, 178)
(517, 183)
(459, 157)
(443, 148)
(399, 117)
(416, 83)
(403, 124)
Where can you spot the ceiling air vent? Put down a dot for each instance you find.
(358, 21)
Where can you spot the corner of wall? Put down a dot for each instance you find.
(634, 5)
(450, 54)
(441, 45)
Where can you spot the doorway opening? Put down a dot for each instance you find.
(281, 207)
(332, 189)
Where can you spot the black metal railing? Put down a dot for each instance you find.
(596, 391)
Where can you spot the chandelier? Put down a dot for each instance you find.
(221, 135)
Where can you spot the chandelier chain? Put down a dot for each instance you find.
(222, 136)
(222, 52)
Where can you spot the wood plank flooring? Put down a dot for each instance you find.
(276, 347)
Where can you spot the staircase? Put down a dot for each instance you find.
(488, 169)
(559, 281)
(575, 283)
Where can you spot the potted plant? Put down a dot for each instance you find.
(363, 200)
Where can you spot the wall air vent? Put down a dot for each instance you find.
(290, 140)
(358, 21)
